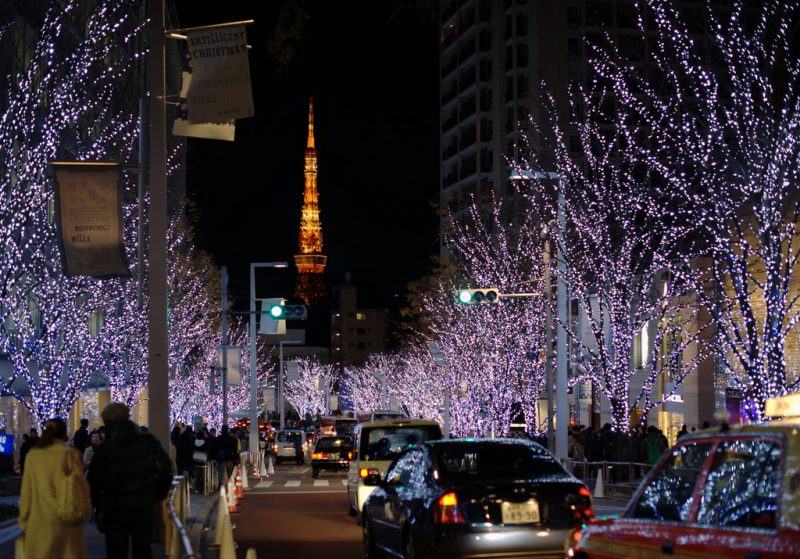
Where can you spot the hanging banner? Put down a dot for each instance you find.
(220, 90)
(234, 362)
(89, 219)
(292, 371)
(209, 131)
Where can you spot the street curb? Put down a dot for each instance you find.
(198, 529)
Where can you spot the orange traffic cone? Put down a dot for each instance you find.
(239, 486)
(231, 497)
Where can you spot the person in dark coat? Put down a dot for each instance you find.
(129, 473)
(185, 452)
(80, 441)
(27, 444)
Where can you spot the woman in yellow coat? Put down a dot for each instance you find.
(46, 465)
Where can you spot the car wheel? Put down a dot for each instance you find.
(315, 473)
(369, 546)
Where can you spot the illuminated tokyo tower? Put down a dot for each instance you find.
(310, 286)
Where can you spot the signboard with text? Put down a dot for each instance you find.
(89, 218)
(220, 90)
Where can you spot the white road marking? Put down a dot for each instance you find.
(344, 481)
(261, 484)
(321, 483)
(293, 483)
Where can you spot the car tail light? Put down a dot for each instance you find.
(581, 506)
(349, 455)
(446, 510)
(366, 472)
(319, 455)
(275, 448)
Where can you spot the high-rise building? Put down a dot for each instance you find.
(310, 262)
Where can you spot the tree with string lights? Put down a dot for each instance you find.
(611, 221)
(308, 393)
(66, 103)
(194, 394)
(495, 351)
(726, 143)
(362, 387)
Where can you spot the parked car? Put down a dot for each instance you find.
(377, 443)
(290, 444)
(475, 498)
(727, 492)
(331, 453)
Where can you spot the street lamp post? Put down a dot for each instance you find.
(253, 357)
(562, 412)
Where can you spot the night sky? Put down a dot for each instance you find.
(373, 75)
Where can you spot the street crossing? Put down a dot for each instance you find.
(295, 483)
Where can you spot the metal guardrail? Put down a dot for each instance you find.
(619, 474)
(178, 544)
(206, 475)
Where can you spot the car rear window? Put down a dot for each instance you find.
(385, 443)
(334, 443)
(288, 436)
(496, 461)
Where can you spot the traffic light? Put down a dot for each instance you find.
(474, 296)
(288, 312)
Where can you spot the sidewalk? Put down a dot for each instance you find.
(200, 508)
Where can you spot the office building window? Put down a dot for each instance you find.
(361, 316)
(573, 17)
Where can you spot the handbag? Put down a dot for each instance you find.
(73, 502)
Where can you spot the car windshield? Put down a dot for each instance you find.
(384, 443)
(494, 460)
(289, 436)
(334, 443)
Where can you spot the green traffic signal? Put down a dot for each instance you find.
(465, 296)
(288, 312)
(276, 311)
(475, 296)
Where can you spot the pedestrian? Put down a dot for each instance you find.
(96, 437)
(185, 451)
(225, 448)
(129, 474)
(654, 445)
(81, 438)
(683, 432)
(28, 444)
(48, 465)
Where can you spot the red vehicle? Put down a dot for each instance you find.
(729, 492)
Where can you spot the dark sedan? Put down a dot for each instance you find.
(479, 498)
(331, 453)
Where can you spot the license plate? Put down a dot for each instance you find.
(520, 513)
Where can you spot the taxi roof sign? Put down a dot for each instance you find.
(784, 406)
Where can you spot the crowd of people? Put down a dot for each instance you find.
(642, 445)
(116, 475)
(198, 445)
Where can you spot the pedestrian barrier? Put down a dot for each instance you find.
(616, 477)
(206, 475)
(177, 542)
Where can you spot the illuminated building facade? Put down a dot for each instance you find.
(310, 262)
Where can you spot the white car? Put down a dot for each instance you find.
(287, 444)
(376, 444)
